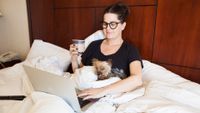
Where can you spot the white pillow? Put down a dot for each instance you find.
(152, 71)
(41, 48)
(95, 36)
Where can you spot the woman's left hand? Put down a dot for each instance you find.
(92, 93)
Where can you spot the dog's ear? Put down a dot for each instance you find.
(94, 60)
(110, 62)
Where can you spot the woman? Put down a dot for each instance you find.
(125, 58)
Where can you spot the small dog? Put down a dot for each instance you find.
(104, 70)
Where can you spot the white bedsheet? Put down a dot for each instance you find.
(163, 97)
(165, 92)
(38, 102)
(14, 81)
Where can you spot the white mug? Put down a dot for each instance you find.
(80, 45)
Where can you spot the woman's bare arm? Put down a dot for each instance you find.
(125, 85)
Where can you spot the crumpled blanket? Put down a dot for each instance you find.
(162, 97)
(85, 77)
(50, 64)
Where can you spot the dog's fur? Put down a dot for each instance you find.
(103, 69)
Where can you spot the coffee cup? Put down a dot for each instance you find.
(80, 45)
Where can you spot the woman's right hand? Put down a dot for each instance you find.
(74, 52)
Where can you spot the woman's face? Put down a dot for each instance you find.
(112, 27)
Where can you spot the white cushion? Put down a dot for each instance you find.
(152, 71)
(95, 36)
(45, 49)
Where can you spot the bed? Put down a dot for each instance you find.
(164, 91)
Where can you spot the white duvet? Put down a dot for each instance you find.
(165, 92)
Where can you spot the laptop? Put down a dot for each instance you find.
(54, 84)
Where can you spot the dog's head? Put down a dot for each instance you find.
(103, 68)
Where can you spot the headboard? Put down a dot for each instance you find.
(166, 32)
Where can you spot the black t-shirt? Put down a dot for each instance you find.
(120, 60)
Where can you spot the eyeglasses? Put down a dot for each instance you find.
(113, 25)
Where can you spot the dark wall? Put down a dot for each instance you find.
(177, 37)
(166, 32)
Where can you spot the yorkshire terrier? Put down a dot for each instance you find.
(104, 70)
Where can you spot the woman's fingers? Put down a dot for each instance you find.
(73, 49)
(87, 97)
(83, 93)
(91, 93)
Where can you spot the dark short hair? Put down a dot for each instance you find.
(120, 9)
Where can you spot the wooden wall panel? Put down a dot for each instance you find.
(41, 20)
(140, 29)
(129, 2)
(99, 17)
(73, 23)
(177, 39)
(99, 3)
(74, 3)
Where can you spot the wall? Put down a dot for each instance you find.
(176, 41)
(14, 33)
